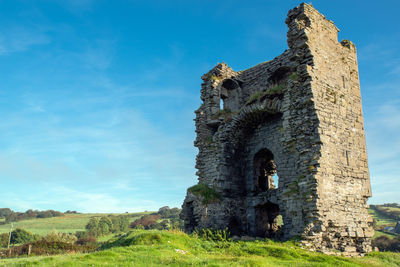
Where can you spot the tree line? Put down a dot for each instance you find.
(105, 225)
(11, 216)
(166, 218)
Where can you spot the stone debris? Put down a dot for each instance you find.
(283, 144)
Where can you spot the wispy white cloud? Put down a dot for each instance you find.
(383, 142)
(114, 148)
(380, 83)
(17, 39)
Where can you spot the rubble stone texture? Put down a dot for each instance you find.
(283, 144)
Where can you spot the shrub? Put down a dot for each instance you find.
(82, 234)
(93, 226)
(119, 223)
(177, 224)
(134, 238)
(209, 194)
(90, 240)
(146, 221)
(213, 234)
(55, 236)
(386, 244)
(4, 240)
(21, 236)
(4, 212)
(105, 225)
(43, 247)
(163, 225)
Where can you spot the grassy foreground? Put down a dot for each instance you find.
(160, 248)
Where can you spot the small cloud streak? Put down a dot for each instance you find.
(383, 142)
(18, 39)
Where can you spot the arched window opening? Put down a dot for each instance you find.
(265, 171)
(221, 103)
(230, 84)
(275, 178)
(279, 75)
(222, 97)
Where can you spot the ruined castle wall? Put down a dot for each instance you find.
(302, 110)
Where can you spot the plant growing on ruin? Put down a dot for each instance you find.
(208, 140)
(273, 90)
(276, 89)
(255, 96)
(225, 113)
(208, 194)
(294, 76)
(222, 112)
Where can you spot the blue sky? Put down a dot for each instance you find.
(97, 97)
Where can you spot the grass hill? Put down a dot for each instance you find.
(69, 223)
(175, 248)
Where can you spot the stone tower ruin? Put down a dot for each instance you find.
(282, 150)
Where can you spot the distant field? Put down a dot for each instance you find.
(381, 220)
(70, 223)
(379, 233)
(392, 208)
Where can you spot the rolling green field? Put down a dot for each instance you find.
(174, 248)
(69, 223)
(392, 208)
(382, 220)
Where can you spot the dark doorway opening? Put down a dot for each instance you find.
(268, 221)
(235, 227)
(191, 223)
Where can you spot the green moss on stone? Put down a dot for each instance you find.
(208, 194)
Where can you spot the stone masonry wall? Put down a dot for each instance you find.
(297, 117)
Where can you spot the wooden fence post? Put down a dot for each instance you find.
(9, 237)
(29, 249)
